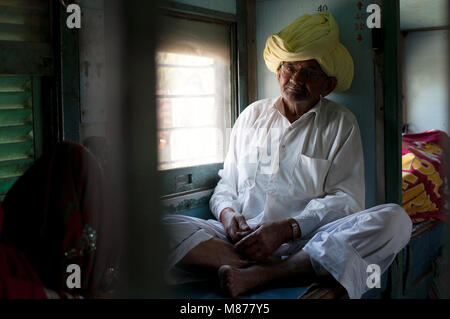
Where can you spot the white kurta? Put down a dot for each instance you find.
(311, 170)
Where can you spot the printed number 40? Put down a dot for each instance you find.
(373, 20)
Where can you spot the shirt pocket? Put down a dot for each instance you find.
(309, 176)
(247, 169)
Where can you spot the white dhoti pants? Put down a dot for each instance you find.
(344, 248)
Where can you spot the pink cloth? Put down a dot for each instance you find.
(423, 175)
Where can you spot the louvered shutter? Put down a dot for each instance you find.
(25, 55)
(16, 129)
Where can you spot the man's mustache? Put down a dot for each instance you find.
(300, 88)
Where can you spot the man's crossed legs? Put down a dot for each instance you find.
(343, 248)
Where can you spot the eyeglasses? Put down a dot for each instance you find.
(289, 70)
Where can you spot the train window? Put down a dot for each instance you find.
(191, 110)
(194, 97)
(193, 93)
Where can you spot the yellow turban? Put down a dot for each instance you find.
(312, 37)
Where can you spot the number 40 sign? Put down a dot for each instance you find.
(372, 21)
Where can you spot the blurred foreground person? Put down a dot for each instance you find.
(55, 216)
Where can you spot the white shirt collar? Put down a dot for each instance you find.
(279, 106)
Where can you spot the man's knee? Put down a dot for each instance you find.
(182, 226)
(176, 222)
(395, 222)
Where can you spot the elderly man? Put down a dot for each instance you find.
(291, 196)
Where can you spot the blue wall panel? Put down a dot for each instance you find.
(273, 15)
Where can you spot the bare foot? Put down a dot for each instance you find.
(296, 269)
(214, 253)
(236, 281)
(235, 260)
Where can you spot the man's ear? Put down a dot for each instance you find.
(330, 85)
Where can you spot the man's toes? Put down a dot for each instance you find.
(225, 271)
(226, 280)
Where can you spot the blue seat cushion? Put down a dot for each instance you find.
(211, 290)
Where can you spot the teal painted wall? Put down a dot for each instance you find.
(273, 15)
(228, 6)
(426, 80)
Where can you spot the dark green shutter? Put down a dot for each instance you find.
(16, 129)
(25, 56)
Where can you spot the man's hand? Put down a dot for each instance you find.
(234, 224)
(265, 239)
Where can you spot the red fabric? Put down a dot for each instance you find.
(423, 175)
(18, 280)
(52, 219)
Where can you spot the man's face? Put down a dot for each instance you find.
(304, 81)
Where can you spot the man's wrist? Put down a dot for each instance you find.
(224, 212)
(294, 227)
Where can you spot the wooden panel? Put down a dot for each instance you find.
(197, 10)
(41, 5)
(25, 58)
(252, 54)
(19, 32)
(329, 288)
(421, 228)
(20, 15)
(24, 21)
(242, 51)
(201, 177)
(70, 80)
(392, 102)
